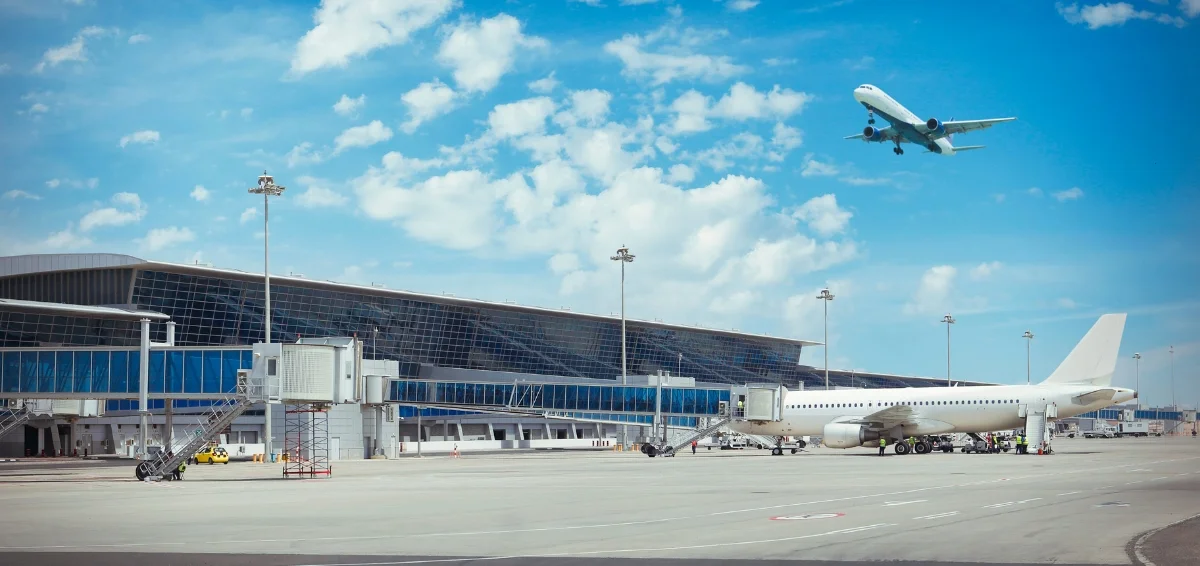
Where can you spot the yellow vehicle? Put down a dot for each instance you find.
(212, 455)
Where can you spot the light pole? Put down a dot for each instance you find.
(623, 256)
(1137, 377)
(948, 320)
(826, 296)
(1171, 351)
(267, 188)
(1028, 335)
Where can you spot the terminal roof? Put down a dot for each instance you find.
(111, 312)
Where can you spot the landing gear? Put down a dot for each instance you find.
(902, 448)
(897, 150)
(870, 116)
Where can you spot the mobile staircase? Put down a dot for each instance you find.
(13, 419)
(668, 449)
(216, 420)
(1037, 421)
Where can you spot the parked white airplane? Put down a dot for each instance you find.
(906, 127)
(859, 417)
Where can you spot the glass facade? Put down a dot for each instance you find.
(217, 310)
(1140, 414)
(105, 373)
(561, 397)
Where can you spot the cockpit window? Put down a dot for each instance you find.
(868, 87)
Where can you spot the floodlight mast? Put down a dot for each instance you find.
(623, 256)
(267, 188)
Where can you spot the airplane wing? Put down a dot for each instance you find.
(886, 418)
(888, 134)
(1105, 394)
(961, 126)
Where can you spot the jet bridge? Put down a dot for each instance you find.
(757, 402)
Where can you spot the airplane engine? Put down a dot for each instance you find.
(840, 435)
(870, 133)
(935, 126)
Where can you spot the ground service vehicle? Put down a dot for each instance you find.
(1133, 429)
(212, 455)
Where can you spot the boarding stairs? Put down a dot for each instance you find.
(760, 440)
(1037, 421)
(13, 419)
(214, 421)
(700, 432)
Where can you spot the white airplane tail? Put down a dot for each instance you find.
(1094, 359)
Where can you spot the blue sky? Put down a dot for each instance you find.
(503, 150)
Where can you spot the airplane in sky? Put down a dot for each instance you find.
(932, 134)
(859, 417)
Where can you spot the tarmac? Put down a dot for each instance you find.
(1095, 501)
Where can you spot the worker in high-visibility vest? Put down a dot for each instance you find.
(882, 444)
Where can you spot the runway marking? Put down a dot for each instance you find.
(1028, 500)
(615, 551)
(936, 516)
(1104, 487)
(1162, 478)
(587, 526)
(895, 503)
(997, 505)
(1068, 493)
(1139, 470)
(1133, 482)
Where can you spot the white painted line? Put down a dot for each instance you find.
(1137, 545)
(1133, 482)
(1162, 478)
(996, 505)
(1068, 493)
(895, 503)
(1104, 487)
(617, 550)
(936, 516)
(1028, 500)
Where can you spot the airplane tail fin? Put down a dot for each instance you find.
(1094, 359)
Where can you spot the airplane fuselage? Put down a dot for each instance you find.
(903, 120)
(936, 410)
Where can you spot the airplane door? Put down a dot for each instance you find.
(1022, 410)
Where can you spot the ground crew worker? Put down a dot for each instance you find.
(740, 413)
(178, 473)
(693, 447)
(882, 444)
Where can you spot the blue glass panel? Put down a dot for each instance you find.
(63, 378)
(83, 372)
(231, 362)
(212, 372)
(174, 381)
(247, 363)
(100, 372)
(12, 372)
(689, 401)
(135, 371)
(676, 401)
(193, 371)
(119, 372)
(158, 371)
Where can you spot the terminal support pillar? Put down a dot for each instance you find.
(379, 438)
(168, 435)
(144, 388)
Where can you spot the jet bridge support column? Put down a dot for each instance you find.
(144, 388)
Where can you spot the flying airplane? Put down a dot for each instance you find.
(906, 127)
(859, 417)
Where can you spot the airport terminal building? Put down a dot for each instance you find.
(95, 300)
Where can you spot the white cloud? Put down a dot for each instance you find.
(426, 102)
(665, 145)
(742, 102)
(1072, 193)
(347, 106)
(160, 238)
(985, 270)
(142, 136)
(933, 293)
(1190, 7)
(814, 168)
(649, 57)
(786, 137)
(67, 239)
(53, 183)
(778, 62)
(999, 197)
(73, 183)
(133, 210)
(1066, 303)
(866, 62)
(744, 146)
(362, 136)
(544, 85)
(1115, 14)
(138, 38)
(247, 112)
(741, 5)
(681, 174)
(520, 118)
(4, 68)
(592, 3)
(16, 194)
(481, 53)
(1034, 191)
(587, 106)
(248, 215)
(38, 108)
(865, 181)
(823, 215)
(347, 29)
(73, 51)
(200, 193)
(303, 154)
(563, 263)
(318, 196)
